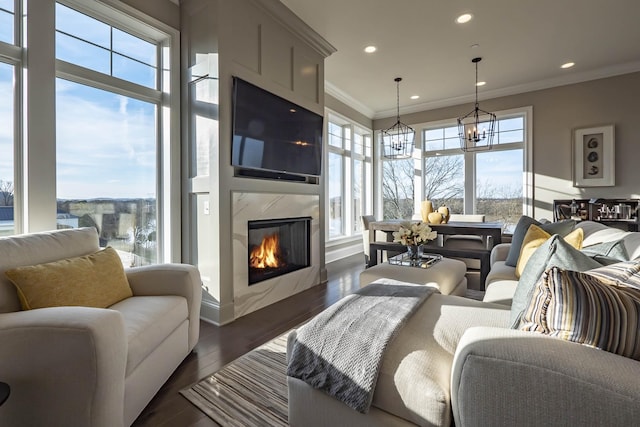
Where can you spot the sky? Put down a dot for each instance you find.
(105, 143)
(502, 169)
(6, 21)
(6, 122)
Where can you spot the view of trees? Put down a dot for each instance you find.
(444, 185)
(444, 182)
(128, 225)
(500, 203)
(6, 193)
(398, 189)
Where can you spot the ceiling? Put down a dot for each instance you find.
(522, 44)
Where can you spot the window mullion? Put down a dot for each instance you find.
(10, 53)
(111, 51)
(99, 80)
(469, 183)
(346, 183)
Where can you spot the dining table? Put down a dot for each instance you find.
(492, 230)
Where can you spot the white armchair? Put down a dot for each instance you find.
(81, 366)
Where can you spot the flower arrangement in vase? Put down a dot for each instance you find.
(413, 236)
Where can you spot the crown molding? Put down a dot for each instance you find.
(347, 99)
(284, 16)
(573, 78)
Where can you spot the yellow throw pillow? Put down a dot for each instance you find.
(536, 236)
(95, 280)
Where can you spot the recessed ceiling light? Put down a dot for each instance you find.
(481, 83)
(464, 18)
(567, 65)
(370, 49)
(415, 96)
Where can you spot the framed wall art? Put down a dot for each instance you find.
(594, 157)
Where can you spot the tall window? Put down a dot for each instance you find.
(7, 214)
(484, 182)
(362, 201)
(443, 168)
(335, 176)
(10, 60)
(349, 177)
(493, 182)
(109, 159)
(111, 182)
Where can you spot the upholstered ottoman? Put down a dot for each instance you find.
(447, 274)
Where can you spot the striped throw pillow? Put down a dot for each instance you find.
(623, 273)
(600, 309)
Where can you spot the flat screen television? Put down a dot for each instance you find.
(274, 135)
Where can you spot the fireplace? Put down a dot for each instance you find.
(277, 247)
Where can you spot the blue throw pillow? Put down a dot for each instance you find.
(607, 252)
(555, 252)
(561, 227)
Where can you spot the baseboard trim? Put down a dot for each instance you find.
(332, 255)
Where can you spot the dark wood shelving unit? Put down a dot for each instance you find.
(618, 213)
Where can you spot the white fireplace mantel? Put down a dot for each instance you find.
(259, 206)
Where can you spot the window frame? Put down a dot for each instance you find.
(469, 158)
(167, 180)
(420, 155)
(12, 54)
(35, 172)
(348, 154)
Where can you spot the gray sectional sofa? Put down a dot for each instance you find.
(458, 361)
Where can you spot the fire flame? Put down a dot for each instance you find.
(267, 254)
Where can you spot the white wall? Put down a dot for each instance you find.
(557, 112)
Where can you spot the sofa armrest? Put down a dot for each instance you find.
(171, 279)
(499, 252)
(291, 341)
(65, 366)
(506, 377)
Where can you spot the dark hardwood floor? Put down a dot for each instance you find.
(219, 345)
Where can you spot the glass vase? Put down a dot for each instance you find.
(414, 252)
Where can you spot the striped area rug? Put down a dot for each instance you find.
(250, 391)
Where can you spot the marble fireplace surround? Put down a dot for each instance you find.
(257, 206)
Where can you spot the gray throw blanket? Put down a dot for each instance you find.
(340, 350)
